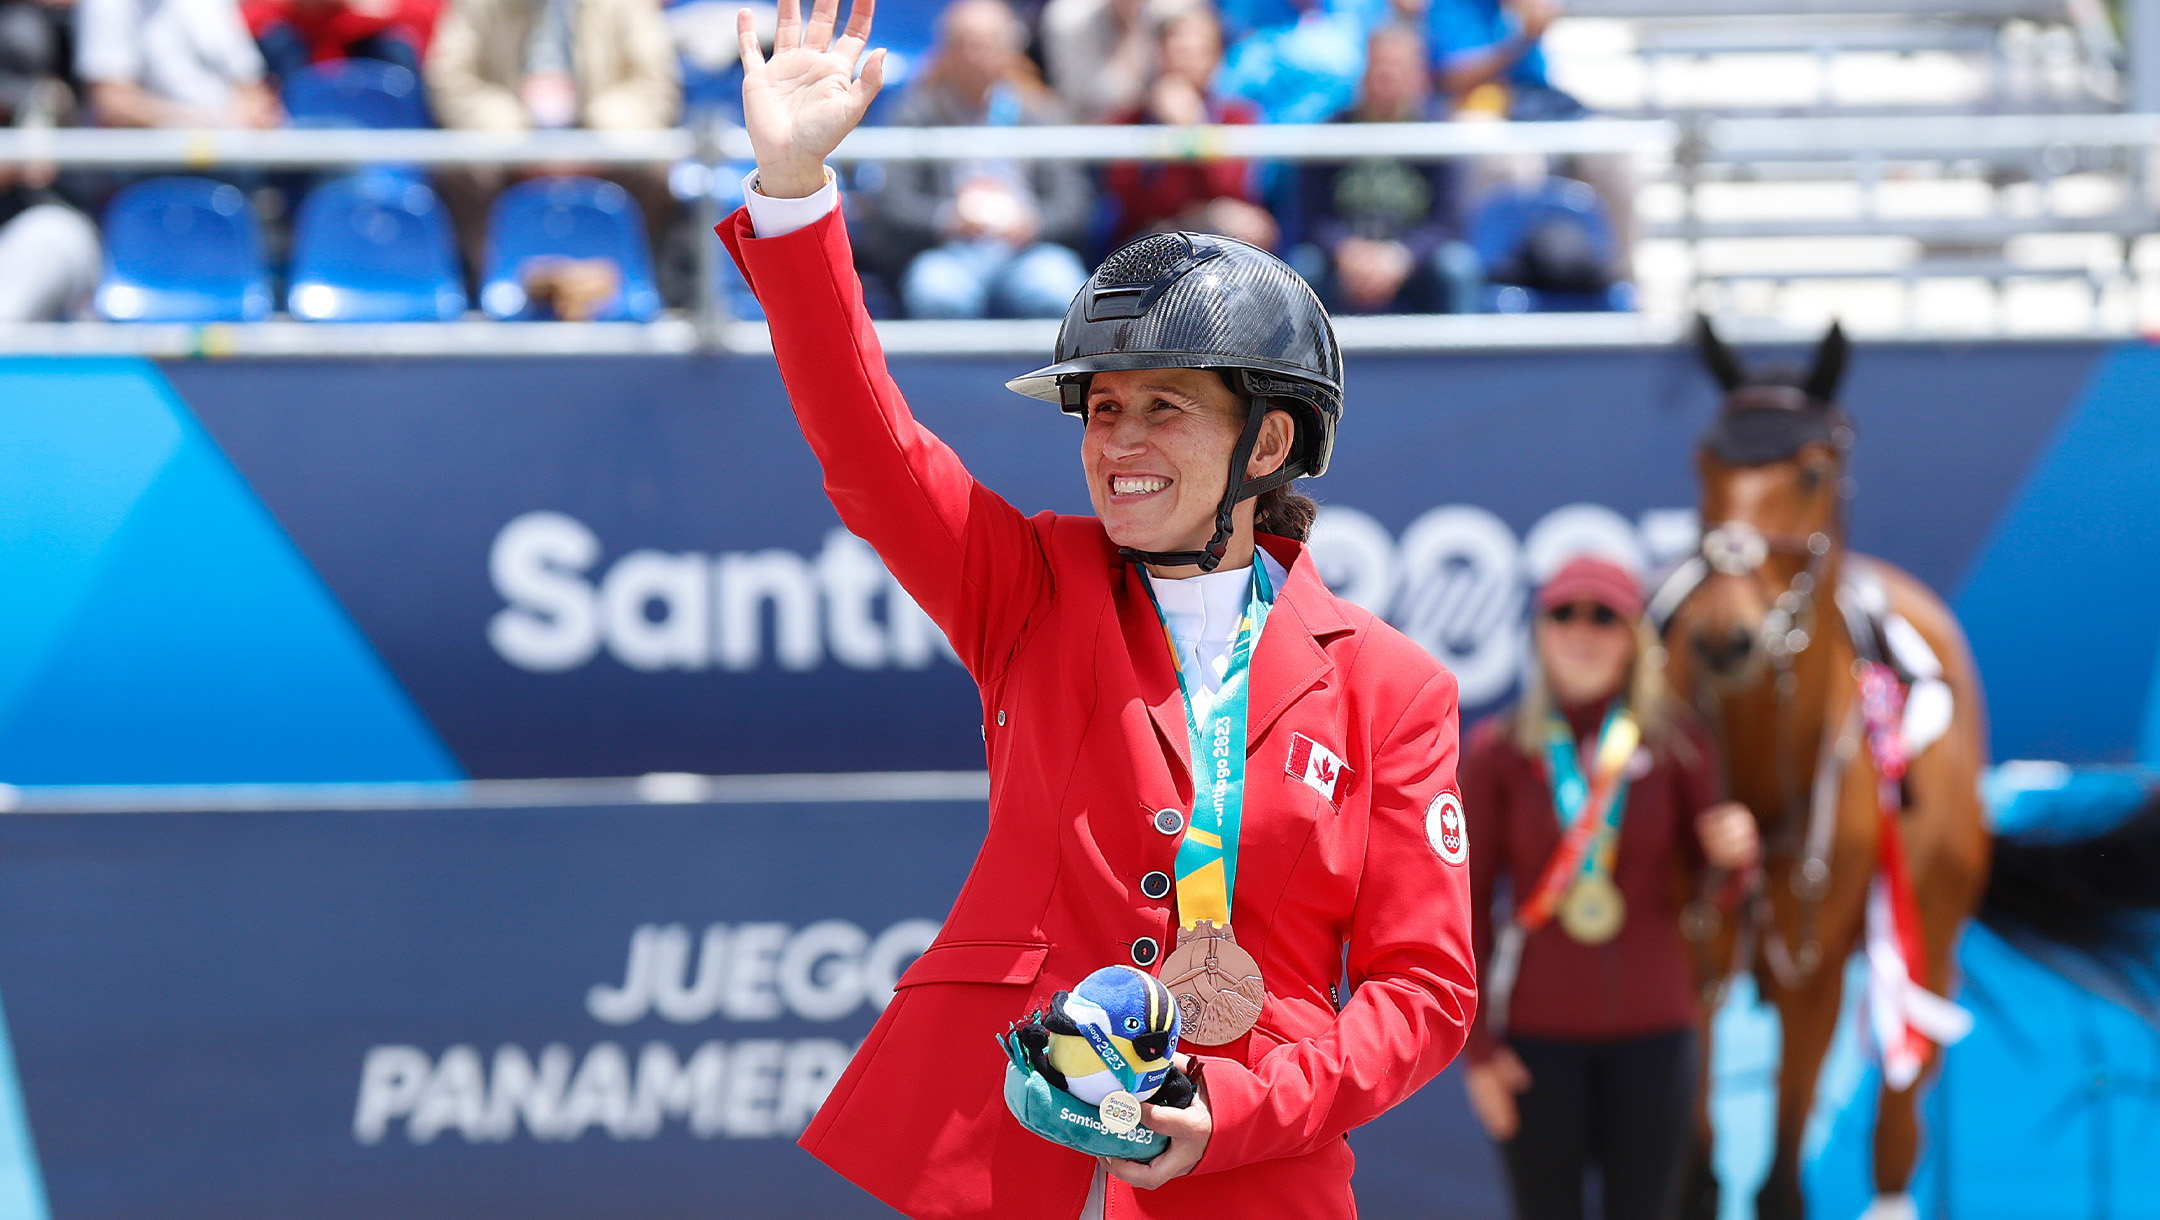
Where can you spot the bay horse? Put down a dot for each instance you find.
(1763, 629)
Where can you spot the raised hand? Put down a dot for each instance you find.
(798, 104)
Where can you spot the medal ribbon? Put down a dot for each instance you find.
(1590, 810)
(1207, 855)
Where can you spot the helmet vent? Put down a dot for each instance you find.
(1143, 262)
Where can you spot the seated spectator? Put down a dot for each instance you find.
(295, 33)
(171, 63)
(1299, 62)
(513, 65)
(1487, 57)
(49, 254)
(33, 62)
(50, 257)
(519, 65)
(1489, 63)
(982, 238)
(1382, 232)
(1100, 54)
(1210, 196)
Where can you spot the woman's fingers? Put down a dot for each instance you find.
(753, 61)
(867, 85)
(1173, 1121)
(787, 35)
(858, 22)
(824, 14)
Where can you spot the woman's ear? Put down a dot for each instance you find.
(1272, 449)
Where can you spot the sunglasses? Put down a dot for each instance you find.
(1603, 616)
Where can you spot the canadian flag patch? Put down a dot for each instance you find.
(1321, 768)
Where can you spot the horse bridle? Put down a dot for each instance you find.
(1739, 548)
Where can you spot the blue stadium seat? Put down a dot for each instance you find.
(355, 93)
(183, 250)
(1507, 218)
(374, 247)
(568, 218)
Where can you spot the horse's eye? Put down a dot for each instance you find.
(1810, 479)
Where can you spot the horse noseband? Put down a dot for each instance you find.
(1735, 548)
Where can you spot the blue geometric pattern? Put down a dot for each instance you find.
(2078, 545)
(159, 626)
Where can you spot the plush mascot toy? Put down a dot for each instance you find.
(1080, 1071)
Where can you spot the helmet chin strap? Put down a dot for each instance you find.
(1211, 558)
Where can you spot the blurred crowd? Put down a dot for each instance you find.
(954, 239)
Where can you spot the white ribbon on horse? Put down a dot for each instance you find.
(1903, 1015)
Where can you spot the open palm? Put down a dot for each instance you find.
(800, 103)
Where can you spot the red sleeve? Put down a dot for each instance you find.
(1484, 796)
(260, 15)
(1415, 987)
(345, 26)
(972, 562)
(416, 19)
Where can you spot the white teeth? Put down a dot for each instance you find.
(1136, 485)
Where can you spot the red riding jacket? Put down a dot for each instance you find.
(1086, 736)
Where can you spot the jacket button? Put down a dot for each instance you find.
(1144, 951)
(1155, 885)
(1169, 821)
(1001, 718)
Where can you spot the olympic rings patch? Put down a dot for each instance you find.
(1445, 828)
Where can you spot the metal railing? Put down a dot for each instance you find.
(1668, 152)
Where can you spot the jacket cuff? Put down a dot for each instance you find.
(774, 217)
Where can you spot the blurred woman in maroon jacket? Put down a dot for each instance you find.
(1594, 799)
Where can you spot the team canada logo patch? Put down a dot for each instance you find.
(1445, 830)
(1320, 768)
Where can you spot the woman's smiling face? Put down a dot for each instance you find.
(1157, 455)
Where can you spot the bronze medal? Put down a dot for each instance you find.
(1593, 911)
(1216, 983)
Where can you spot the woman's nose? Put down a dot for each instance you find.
(1125, 438)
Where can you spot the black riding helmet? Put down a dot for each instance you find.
(1198, 301)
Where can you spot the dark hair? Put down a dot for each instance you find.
(1285, 513)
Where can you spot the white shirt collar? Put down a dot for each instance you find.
(1202, 613)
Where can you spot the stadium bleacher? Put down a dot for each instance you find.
(1780, 187)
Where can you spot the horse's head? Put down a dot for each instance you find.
(1773, 475)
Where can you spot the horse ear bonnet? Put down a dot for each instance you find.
(1768, 419)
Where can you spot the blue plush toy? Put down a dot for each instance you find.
(1111, 1039)
(1117, 1017)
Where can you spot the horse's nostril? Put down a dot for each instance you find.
(1723, 651)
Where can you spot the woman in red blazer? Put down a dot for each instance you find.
(1349, 838)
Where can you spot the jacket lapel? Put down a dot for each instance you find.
(1153, 674)
(1290, 661)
